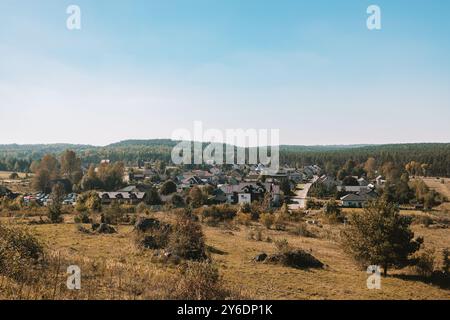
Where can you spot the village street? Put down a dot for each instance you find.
(301, 195)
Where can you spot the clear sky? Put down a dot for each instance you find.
(141, 69)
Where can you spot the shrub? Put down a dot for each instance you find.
(152, 234)
(333, 212)
(196, 197)
(168, 187)
(177, 201)
(141, 208)
(152, 197)
(113, 214)
(13, 176)
(80, 207)
(257, 208)
(302, 230)
(282, 246)
(104, 228)
(294, 258)
(297, 215)
(187, 240)
(216, 213)
(82, 229)
(90, 201)
(14, 205)
(83, 217)
(426, 221)
(281, 218)
(246, 208)
(267, 219)
(127, 208)
(243, 218)
(313, 204)
(424, 263)
(55, 207)
(19, 251)
(200, 281)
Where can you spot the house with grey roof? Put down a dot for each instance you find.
(358, 200)
(121, 197)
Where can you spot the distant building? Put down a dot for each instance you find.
(380, 181)
(352, 189)
(192, 181)
(244, 198)
(358, 200)
(363, 182)
(327, 181)
(256, 191)
(121, 197)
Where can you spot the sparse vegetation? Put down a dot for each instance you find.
(20, 252)
(55, 206)
(267, 219)
(187, 240)
(177, 240)
(380, 236)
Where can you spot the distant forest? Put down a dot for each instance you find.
(436, 155)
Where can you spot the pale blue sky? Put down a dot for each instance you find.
(141, 69)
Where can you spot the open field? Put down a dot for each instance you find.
(441, 185)
(21, 185)
(234, 251)
(6, 174)
(442, 188)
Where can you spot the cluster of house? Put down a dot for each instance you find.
(356, 196)
(238, 184)
(235, 184)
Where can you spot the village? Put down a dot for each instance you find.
(241, 219)
(238, 184)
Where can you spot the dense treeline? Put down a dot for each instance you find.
(437, 156)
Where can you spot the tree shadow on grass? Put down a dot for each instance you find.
(214, 250)
(437, 279)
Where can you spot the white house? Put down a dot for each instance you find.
(244, 198)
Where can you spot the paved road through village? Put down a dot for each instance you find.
(300, 196)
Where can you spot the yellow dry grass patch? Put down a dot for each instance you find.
(6, 174)
(341, 279)
(437, 185)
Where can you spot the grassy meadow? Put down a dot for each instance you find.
(113, 268)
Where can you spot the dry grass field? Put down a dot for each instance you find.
(441, 185)
(442, 188)
(21, 185)
(233, 251)
(6, 174)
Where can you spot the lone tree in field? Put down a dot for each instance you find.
(380, 236)
(55, 206)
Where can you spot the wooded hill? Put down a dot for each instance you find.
(19, 157)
